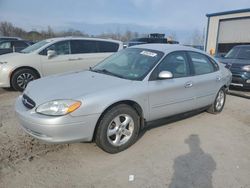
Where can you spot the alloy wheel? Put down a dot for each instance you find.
(24, 79)
(120, 129)
(220, 100)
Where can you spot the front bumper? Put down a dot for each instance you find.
(241, 80)
(60, 129)
(4, 76)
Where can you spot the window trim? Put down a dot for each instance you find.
(154, 74)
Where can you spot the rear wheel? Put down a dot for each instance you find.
(219, 102)
(118, 129)
(22, 77)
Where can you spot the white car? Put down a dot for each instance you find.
(53, 56)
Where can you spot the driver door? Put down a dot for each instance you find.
(63, 61)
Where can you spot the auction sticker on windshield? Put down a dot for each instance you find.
(147, 53)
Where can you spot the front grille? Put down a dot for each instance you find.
(28, 102)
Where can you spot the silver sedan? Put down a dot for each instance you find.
(110, 103)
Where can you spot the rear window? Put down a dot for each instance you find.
(201, 63)
(19, 44)
(84, 46)
(105, 46)
(92, 46)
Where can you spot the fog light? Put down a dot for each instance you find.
(248, 81)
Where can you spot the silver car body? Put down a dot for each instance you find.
(97, 92)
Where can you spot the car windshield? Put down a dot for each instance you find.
(232, 53)
(34, 47)
(131, 63)
(244, 53)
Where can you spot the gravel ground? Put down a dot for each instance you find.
(203, 150)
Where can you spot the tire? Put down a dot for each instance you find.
(113, 134)
(219, 102)
(22, 77)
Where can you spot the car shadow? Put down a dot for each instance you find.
(239, 89)
(239, 92)
(194, 169)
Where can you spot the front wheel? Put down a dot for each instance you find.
(219, 102)
(22, 77)
(118, 129)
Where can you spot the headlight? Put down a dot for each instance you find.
(246, 68)
(58, 107)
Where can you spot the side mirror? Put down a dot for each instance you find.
(165, 75)
(51, 53)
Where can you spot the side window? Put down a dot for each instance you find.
(19, 44)
(5, 45)
(107, 46)
(61, 48)
(176, 63)
(83, 46)
(201, 63)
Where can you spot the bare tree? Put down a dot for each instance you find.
(197, 38)
(173, 36)
(8, 29)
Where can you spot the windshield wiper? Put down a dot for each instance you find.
(105, 71)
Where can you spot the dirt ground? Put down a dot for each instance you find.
(203, 150)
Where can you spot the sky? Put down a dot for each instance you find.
(98, 16)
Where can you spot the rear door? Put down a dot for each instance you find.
(85, 53)
(171, 96)
(88, 53)
(206, 78)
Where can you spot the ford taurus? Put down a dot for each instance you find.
(110, 102)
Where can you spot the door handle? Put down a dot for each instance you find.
(74, 59)
(188, 84)
(218, 78)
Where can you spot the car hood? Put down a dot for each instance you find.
(71, 86)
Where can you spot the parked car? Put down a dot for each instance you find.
(152, 38)
(110, 102)
(237, 60)
(9, 46)
(53, 56)
(9, 38)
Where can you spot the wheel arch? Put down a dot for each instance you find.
(226, 88)
(130, 103)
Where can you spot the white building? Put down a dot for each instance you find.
(227, 29)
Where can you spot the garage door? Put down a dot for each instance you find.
(234, 31)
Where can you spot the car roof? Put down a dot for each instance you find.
(13, 40)
(243, 46)
(80, 38)
(17, 38)
(166, 48)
